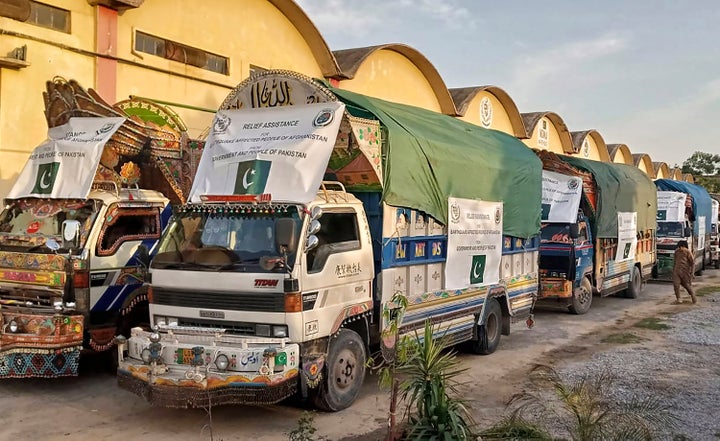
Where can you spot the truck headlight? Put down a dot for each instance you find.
(280, 331)
(262, 330)
(222, 362)
(160, 320)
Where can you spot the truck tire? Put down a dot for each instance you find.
(582, 298)
(344, 372)
(490, 332)
(635, 286)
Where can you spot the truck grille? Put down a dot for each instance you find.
(555, 263)
(235, 328)
(235, 301)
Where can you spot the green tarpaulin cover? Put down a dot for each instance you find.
(428, 157)
(621, 188)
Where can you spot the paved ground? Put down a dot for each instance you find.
(91, 407)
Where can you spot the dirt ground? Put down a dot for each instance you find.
(92, 407)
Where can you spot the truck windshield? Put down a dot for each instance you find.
(223, 242)
(557, 233)
(26, 224)
(670, 229)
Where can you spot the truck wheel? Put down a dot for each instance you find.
(344, 372)
(489, 333)
(582, 298)
(635, 286)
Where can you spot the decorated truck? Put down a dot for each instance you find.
(684, 213)
(308, 223)
(598, 230)
(77, 226)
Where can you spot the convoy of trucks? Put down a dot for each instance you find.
(297, 227)
(306, 273)
(74, 238)
(598, 232)
(684, 213)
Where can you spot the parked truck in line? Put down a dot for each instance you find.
(684, 213)
(77, 227)
(598, 231)
(272, 282)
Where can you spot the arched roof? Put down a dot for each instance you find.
(687, 177)
(579, 137)
(531, 119)
(644, 159)
(462, 96)
(661, 170)
(314, 39)
(676, 174)
(623, 149)
(350, 61)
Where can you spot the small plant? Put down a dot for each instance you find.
(586, 410)
(305, 430)
(623, 338)
(515, 428)
(652, 323)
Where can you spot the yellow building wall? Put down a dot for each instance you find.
(498, 118)
(641, 165)
(545, 137)
(589, 150)
(622, 158)
(391, 76)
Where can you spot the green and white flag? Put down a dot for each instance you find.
(281, 151)
(474, 247)
(627, 236)
(64, 165)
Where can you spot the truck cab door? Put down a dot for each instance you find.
(583, 252)
(116, 267)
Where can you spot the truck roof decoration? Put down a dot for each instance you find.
(701, 201)
(152, 139)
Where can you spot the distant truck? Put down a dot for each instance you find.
(75, 241)
(684, 213)
(272, 282)
(598, 230)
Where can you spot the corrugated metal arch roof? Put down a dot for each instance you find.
(613, 150)
(661, 167)
(350, 61)
(644, 158)
(463, 95)
(531, 119)
(579, 137)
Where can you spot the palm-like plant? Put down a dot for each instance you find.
(586, 411)
(430, 388)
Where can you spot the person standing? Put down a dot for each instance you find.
(683, 269)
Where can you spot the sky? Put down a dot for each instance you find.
(645, 73)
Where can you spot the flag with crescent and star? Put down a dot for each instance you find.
(252, 177)
(45, 178)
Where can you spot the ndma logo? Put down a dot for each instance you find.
(45, 178)
(252, 177)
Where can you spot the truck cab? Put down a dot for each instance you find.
(566, 263)
(71, 275)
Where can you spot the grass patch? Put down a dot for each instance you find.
(707, 290)
(623, 338)
(515, 428)
(652, 323)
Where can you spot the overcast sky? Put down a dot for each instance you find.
(641, 72)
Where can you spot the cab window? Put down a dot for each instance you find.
(338, 233)
(126, 225)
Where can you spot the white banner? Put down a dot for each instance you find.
(671, 206)
(701, 232)
(627, 236)
(65, 164)
(560, 197)
(283, 151)
(474, 247)
(714, 213)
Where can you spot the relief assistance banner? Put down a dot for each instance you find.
(671, 206)
(474, 248)
(701, 232)
(627, 236)
(560, 197)
(281, 151)
(64, 165)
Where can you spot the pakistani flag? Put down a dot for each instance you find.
(662, 215)
(252, 177)
(477, 269)
(545, 211)
(45, 178)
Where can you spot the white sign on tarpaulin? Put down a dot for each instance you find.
(64, 165)
(282, 151)
(701, 232)
(474, 248)
(627, 236)
(560, 197)
(671, 206)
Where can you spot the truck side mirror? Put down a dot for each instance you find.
(285, 236)
(71, 234)
(574, 231)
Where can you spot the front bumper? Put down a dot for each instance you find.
(182, 371)
(43, 345)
